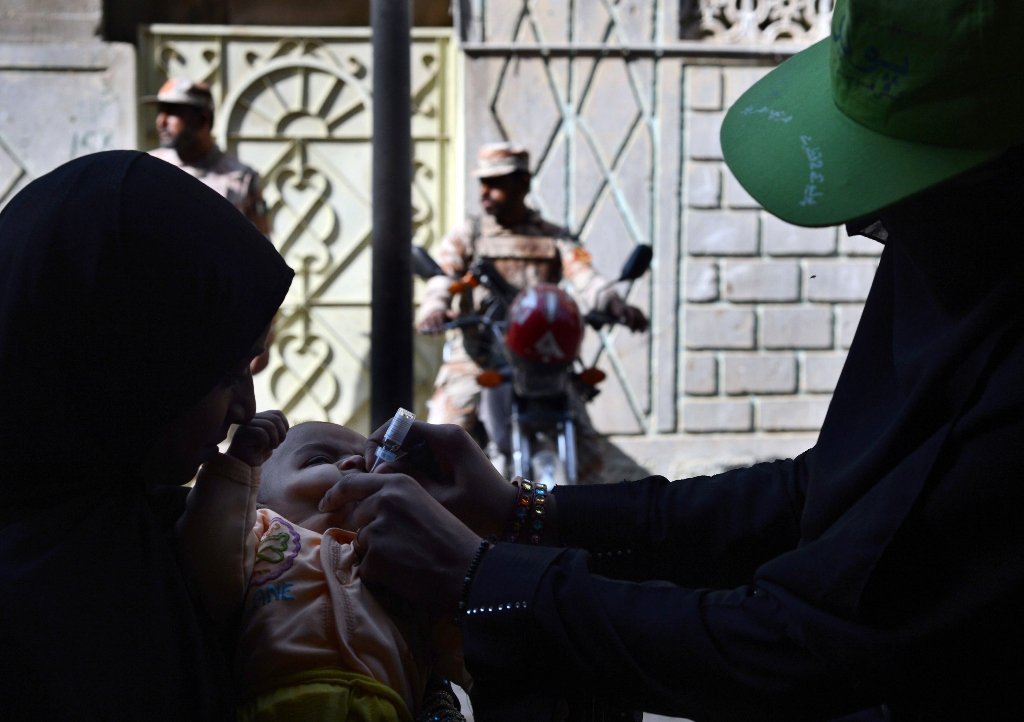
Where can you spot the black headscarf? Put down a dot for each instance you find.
(128, 290)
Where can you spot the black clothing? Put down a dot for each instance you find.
(128, 291)
(884, 565)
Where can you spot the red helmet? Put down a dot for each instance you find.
(544, 324)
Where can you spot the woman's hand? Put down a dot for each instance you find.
(408, 544)
(449, 464)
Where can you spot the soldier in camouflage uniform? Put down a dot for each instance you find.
(184, 122)
(526, 250)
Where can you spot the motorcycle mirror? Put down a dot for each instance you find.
(637, 263)
(423, 265)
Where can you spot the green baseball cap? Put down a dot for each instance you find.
(903, 95)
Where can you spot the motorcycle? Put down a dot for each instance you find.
(534, 384)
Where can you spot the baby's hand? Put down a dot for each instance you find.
(253, 442)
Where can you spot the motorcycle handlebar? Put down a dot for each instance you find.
(595, 319)
(598, 319)
(469, 321)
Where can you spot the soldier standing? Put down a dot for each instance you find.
(184, 123)
(526, 250)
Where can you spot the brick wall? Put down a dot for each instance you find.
(769, 308)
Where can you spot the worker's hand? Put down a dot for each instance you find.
(452, 468)
(255, 440)
(629, 316)
(435, 321)
(407, 543)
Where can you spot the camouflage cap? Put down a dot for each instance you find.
(498, 159)
(179, 91)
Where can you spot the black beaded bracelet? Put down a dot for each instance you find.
(467, 580)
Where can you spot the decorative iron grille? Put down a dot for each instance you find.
(757, 22)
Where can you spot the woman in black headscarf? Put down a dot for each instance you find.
(131, 300)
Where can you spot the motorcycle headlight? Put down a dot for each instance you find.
(532, 378)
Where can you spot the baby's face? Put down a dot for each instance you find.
(304, 467)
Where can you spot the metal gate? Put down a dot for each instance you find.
(296, 105)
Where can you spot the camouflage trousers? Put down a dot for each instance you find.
(456, 400)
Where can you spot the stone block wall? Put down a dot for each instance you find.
(766, 310)
(63, 91)
(46, 21)
(770, 308)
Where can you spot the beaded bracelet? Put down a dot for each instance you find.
(440, 705)
(530, 509)
(467, 580)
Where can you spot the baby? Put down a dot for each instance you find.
(314, 643)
